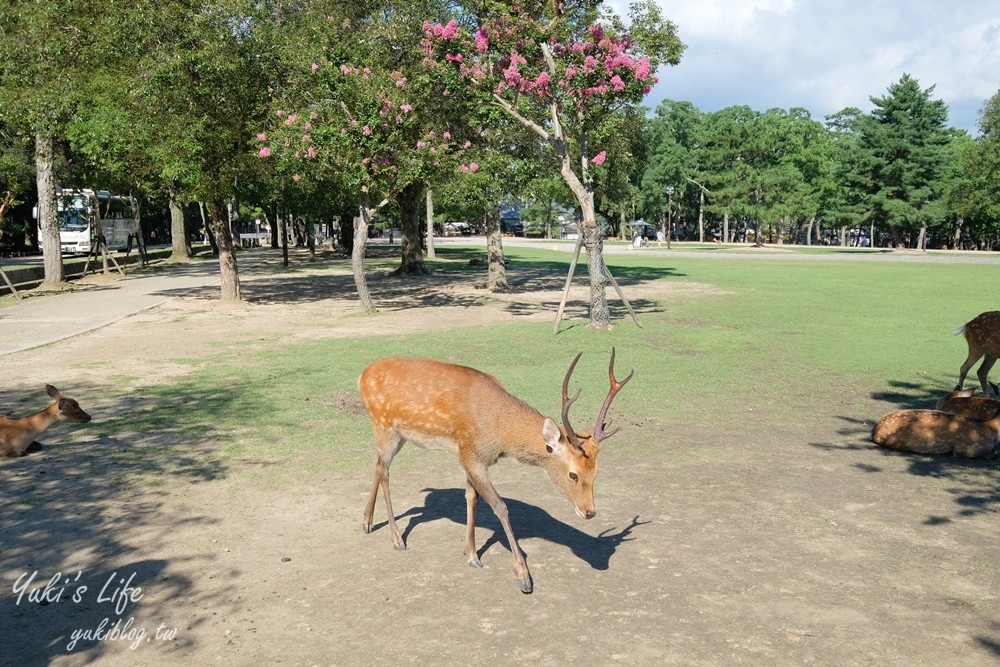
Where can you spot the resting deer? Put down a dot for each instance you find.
(962, 402)
(982, 334)
(17, 436)
(468, 413)
(937, 432)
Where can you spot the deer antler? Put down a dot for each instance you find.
(567, 401)
(599, 432)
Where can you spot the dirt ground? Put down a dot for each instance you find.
(737, 543)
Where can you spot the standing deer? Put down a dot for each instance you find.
(17, 436)
(437, 405)
(962, 402)
(937, 432)
(983, 336)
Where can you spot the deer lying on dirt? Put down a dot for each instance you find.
(982, 334)
(437, 405)
(17, 436)
(937, 432)
(962, 402)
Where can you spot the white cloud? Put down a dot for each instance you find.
(825, 55)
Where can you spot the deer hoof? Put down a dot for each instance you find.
(367, 527)
(476, 563)
(399, 546)
(525, 585)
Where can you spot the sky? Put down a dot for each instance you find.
(826, 55)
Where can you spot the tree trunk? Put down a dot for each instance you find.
(725, 227)
(99, 238)
(48, 215)
(229, 276)
(701, 216)
(496, 280)
(180, 251)
(593, 241)
(409, 211)
(361, 223)
(430, 224)
(346, 224)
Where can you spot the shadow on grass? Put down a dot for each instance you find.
(902, 394)
(72, 513)
(527, 520)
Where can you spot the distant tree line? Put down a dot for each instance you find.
(304, 113)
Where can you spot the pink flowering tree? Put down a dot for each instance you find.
(558, 68)
(365, 130)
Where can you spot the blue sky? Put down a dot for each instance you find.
(825, 55)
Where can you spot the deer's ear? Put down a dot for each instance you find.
(51, 391)
(553, 437)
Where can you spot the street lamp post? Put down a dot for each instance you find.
(670, 214)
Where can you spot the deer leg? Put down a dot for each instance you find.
(984, 374)
(388, 446)
(481, 481)
(973, 357)
(366, 524)
(470, 527)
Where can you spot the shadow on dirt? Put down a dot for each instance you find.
(68, 514)
(327, 277)
(973, 484)
(527, 520)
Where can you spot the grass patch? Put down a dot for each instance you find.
(777, 337)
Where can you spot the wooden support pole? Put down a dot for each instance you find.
(569, 280)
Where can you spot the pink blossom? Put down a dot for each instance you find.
(482, 41)
(401, 82)
(473, 166)
(306, 138)
(311, 152)
(279, 113)
(261, 137)
(291, 119)
(450, 31)
(617, 83)
(296, 177)
(314, 66)
(405, 108)
(446, 136)
(466, 144)
(642, 70)
(599, 158)
(308, 126)
(464, 168)
(313, 116)
(264, 152)
(420, 144)
(354, 123)
(367, 131)
(298, 154)
(399, 119)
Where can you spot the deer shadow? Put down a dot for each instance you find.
(528, 521)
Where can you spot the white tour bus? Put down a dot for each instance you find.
(78, 220)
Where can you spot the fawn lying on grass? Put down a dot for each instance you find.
(17, 436)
